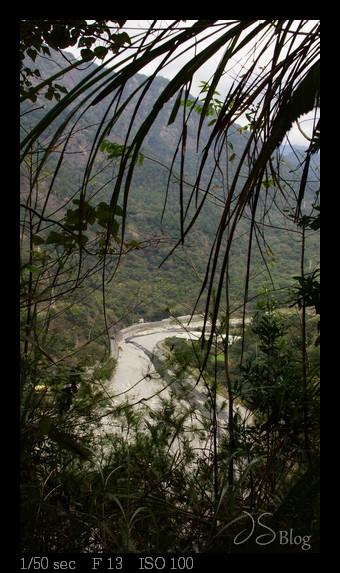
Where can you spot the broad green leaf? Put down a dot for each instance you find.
(38, 240)
(87, 54)
(31, 269)
(133, 244)
(121, 38)
(32, 54)
(45, 50)
(55, 238)
(61, 88)
(100, 52)
(59, 37)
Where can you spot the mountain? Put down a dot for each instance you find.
(148, 284)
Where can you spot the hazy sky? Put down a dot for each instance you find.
(135, 27)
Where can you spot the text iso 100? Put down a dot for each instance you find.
(173, 563)
(149, 562)
(158, 563)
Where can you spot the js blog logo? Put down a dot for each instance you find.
(284, 537)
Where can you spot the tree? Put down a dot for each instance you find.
(39, 37)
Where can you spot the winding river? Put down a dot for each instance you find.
(144, 379)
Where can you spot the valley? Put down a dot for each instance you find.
(146, 380)
(169, 287)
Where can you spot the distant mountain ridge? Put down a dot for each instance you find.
(175, 284)
(162, 139)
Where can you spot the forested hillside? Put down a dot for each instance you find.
(148, 284)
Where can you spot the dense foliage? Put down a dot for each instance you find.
(138, 200)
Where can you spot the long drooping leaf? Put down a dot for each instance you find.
(150, 55)
(286, 89)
